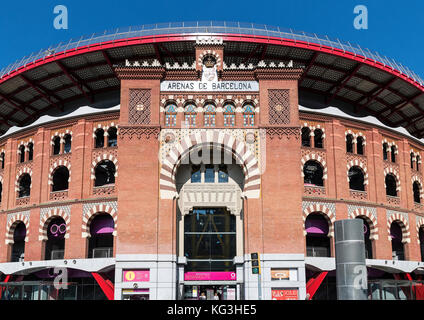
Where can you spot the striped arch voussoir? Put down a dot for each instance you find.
(11, 225)
(239, 150)
(327, 213)
(370, 218)
(420, 224)
(360, 164)
(314, 157)
(45, 220)
(89, 215)
(403, 224)
(56, 165)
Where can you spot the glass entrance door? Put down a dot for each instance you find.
(209, 240)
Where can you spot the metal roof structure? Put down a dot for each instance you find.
(81, 72)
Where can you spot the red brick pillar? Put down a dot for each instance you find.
(9, 176)
(382, 246)
(338, 151)
(34, 247)
(281, 185)
(39, 181)
(4, 248)
(80, 160)
(75, 245)
(138, 201)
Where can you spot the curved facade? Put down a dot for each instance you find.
(206, 161)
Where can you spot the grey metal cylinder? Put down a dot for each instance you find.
(351, 271)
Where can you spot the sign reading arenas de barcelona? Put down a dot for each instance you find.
(195, 86)
(204, 164)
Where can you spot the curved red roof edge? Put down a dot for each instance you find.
(226, 37)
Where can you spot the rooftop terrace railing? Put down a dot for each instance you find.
(211, 27)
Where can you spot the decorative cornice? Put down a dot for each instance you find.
(282, 132)
(140, 72)
(139, 132)
(278, 73)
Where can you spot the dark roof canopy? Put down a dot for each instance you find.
(58, 80)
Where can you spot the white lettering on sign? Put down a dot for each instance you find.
(209, 86)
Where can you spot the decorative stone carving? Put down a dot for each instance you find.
(139, 106)
(280, 133)
(279, 106)
(130, 132)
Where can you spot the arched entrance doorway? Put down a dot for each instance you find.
(209, 182)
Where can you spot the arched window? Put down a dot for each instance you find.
(421, 236)
(393, 153)
(22, 153)
(417, 191)
(18, 246)
(171, 115)
(112, 137)
(391, 185)
(99, 139)
(306, 137)
(360, 145)
(356, 179)
(104, 173)
(209, 115)
(349, 143)
(56, 145)
(385, 150)
(418, 163)
(367, 236)
(229, 115)
(318, 140)
(398, 250)
(60, 179)
(55, 244)
(100, 242)
(2, 159)
(248, 115)
(24, 186)
(190, 115)
(196, 174)
(412, 160)
(68, 143)
(317, 240)
(313, 174)
(30, 151)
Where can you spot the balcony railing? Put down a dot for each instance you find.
(57, 254)
(102, 252)
(317, 252)
(394, 201)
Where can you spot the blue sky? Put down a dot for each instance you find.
(394, 27)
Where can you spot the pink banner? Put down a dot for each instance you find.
(210, 276)
(136, 275)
